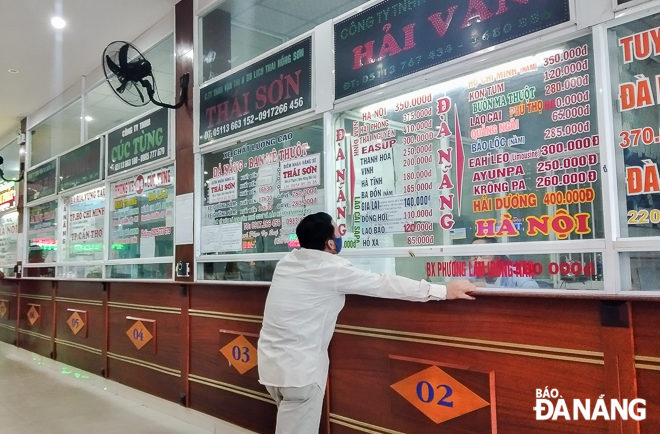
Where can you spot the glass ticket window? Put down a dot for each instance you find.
(510, 154)
(254, 194)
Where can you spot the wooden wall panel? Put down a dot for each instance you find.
(646, 333)
(9, 293)
(528, 343)
(157, 373)
(84, 349)
(214, 383)
(38, 337)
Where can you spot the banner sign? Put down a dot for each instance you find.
(393, 39)
(81, 166)
(41, 181)
(137, 144)
(273, 88)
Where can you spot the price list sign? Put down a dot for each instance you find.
(143, 216)
(42, 233)
(509, 153)
(256, 194)
(82, 234)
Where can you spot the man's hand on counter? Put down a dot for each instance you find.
(459, 289)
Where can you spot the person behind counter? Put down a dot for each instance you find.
(500, 281)
(306, 295)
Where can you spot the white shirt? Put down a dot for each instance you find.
(306, 295)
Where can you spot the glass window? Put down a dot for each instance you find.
(254, 27)
(635, 70)
(55, 135)
(510, 153)
(11, 160)
(255, 194)
(9, 238)
(239, 271)
(143, 216)
(140, 271)
(644, 271)
(84, 221)
(105, 110)
(42, 233)
(573, 271)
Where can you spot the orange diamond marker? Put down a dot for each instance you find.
(241, 354)
(437, 395)
(75, 323)
(139, 335)
(32, 315)
(3, 309)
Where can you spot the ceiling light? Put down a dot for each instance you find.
(89, 118)
(58, 22)
(12, 71)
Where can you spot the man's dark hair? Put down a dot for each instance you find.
(314, 230)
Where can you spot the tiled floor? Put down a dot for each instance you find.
(37, 399)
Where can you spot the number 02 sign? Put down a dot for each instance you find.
(438, 395)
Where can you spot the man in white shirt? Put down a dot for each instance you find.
(306, 295)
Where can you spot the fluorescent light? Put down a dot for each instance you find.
(12, 71)
(58, 22)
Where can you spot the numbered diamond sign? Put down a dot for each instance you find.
(241, 354)
(3, 309)
(33, 315)
(439, 396)
(139, 335)
(75, 323)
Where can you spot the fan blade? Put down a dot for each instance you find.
(123, 56)
(113, 66)
(122, 88)
(139, 93)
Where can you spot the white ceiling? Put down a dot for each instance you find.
(50, 61)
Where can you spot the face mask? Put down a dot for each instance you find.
(338, 244)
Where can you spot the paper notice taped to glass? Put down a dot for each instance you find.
(184, 219)
(222, 238)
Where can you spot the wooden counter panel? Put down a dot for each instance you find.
(245, 411)
(166, 340)
(360, 383)
(36, 337)
(647, 388)
(145, 379)
(149, 294)
(206, 341)
(9, 293)
(84, 349)
(646, 328)
(246, 300)
(571, 324)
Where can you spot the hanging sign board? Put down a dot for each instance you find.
(393, 39)
(273, 88)
(139, 143)
(81, 166)
(41, 181)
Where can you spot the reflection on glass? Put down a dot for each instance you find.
(240, 30)
(140, 271)
(243, 271)
(644, 271)
(56, 134)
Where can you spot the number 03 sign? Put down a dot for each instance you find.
(240, 353)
